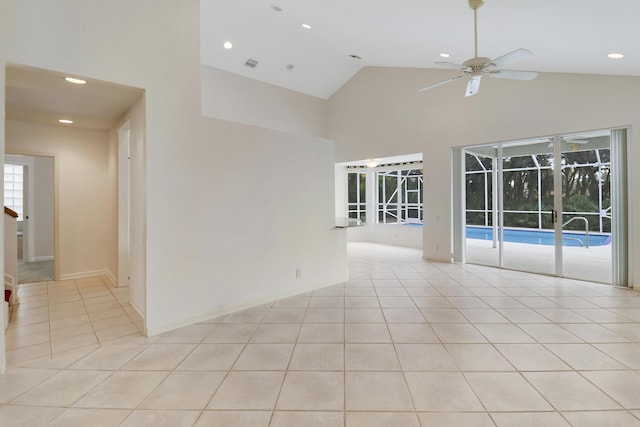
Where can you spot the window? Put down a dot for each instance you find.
(357, 186)
(400, 196)
(13, 188)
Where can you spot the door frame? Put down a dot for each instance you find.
(124, 204)
(620, 246)
(28, 243)
(56, 216)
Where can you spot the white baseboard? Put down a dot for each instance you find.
(136, 308)
(43, 258)
(138, 311)
(83, 274)
(111, 278)
(232, 309)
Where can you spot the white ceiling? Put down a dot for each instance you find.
(41, 96)
(564, 35)
(567, 36)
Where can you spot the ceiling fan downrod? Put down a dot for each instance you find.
(475, 4)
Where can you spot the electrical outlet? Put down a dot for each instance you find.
(298, 273)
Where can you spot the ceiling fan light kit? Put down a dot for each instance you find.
(476, 67)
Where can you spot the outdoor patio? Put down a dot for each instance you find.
(592, 264)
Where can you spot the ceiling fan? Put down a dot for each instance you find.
(569, 141)
(478, 66)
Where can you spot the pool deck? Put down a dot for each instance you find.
(592, 264)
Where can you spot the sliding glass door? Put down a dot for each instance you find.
(528, 235)
(586, 207)
(543, 205)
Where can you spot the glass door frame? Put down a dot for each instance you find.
(620, 250)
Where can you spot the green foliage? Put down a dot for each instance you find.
(523, 188)
(579, 203)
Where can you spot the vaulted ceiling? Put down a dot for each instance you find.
(566, 36)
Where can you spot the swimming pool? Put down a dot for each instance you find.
(539, 237)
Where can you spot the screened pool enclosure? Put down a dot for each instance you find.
(528, 189)
(395, 190)
(546, 205)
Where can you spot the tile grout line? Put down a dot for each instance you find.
(286, 371)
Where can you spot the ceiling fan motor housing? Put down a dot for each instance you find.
(475, 4)
(476, 64)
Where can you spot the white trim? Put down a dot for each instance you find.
(136, 309)
(124, 204)
(137, 318)
(28, 161)
(109, 274)
(620, 208)
(43, 258)
(232, 309)
(56, 216)
(84, 274)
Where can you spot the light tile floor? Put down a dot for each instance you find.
(404, 342)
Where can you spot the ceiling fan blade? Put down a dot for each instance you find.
(473, 86)
(453, 65)
(511, 57)
(513, 75)
(441, 83)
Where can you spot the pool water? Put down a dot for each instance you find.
(539, 237)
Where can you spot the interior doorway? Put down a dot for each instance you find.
(29, 191)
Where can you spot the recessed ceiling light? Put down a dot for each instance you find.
(307, 26)
(227, 45)
(276, 8)
(445, 55)
(65, 121)
(615, 55)
(75, 81)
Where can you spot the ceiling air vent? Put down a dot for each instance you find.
(251, 63)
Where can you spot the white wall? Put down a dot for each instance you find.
(239, 99)
(380, 113)
(84, 203)
(225, 225)
(42, 210)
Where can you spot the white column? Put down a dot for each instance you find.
(372, 196)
